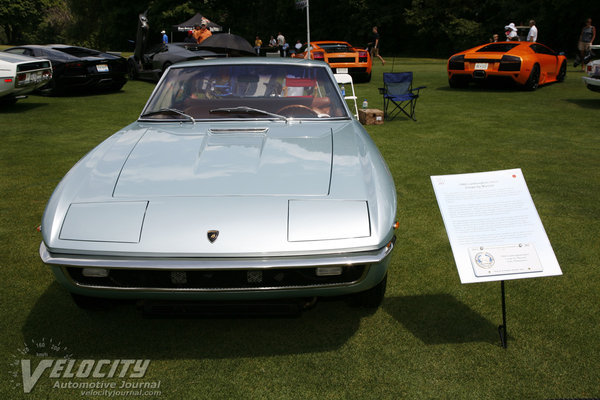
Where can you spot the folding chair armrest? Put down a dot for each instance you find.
(382, 90)
(417, 89)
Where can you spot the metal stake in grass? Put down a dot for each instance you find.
(502, 328)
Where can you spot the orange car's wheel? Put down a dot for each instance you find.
(458, 83)
(534, 78)
(562, 72)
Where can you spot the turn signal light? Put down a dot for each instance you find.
(329, 271)
(318, 55)
(95, 272)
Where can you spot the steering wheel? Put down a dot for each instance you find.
(297, 110)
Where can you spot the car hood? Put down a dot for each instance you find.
(277, 188)
(269, 187)
(228, 161)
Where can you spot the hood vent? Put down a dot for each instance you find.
(238, 131)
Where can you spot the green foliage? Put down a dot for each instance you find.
(18, 17)
(420, 27)
(444, 28)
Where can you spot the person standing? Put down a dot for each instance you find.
(586, 39)
(165, 38)
(190, 38)
(374, 45)
(257, 45)
(511, 32)
(533, 32)
(286, 49)
(280, 43)
(201, 33)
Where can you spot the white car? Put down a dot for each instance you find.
(20, 75)
(592, 81)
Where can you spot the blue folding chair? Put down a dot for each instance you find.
(399, 95)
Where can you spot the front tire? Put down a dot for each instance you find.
(91, 303)
(132, 71)
(562, 72)
(371, 298)
(534, 78)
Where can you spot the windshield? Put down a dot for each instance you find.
(78, 51)
(500, 47)
(336, 47)
(245, 91)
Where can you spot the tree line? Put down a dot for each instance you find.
(435, 28)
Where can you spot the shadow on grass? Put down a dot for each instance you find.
(482, 88)
(440, 319)
(20, 107)
(593, 104)
(82, 92)
(122, 331)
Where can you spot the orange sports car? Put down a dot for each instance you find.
(525, 63)
(343, 58)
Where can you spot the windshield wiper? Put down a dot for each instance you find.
(168, 110)
(246, 110)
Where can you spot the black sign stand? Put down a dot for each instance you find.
(502, 328)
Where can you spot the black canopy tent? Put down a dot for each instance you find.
(197, 19)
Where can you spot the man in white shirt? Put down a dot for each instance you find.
(533, 32)
(280, 43)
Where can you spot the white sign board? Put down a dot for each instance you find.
(494, 229)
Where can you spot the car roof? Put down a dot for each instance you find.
(37, 46)
(330, 42)
(15, 58)
(252, 61)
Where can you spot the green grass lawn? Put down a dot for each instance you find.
(432, 337)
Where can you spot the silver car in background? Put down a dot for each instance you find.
(242, 179)
(20, 75)
(592, 81)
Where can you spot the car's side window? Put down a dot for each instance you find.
(541, 49)
(16, 51)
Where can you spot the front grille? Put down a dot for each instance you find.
(337, 60)
(249, 279)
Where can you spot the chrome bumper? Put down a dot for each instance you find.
(369, 257)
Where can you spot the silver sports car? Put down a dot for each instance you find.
(242, 179)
